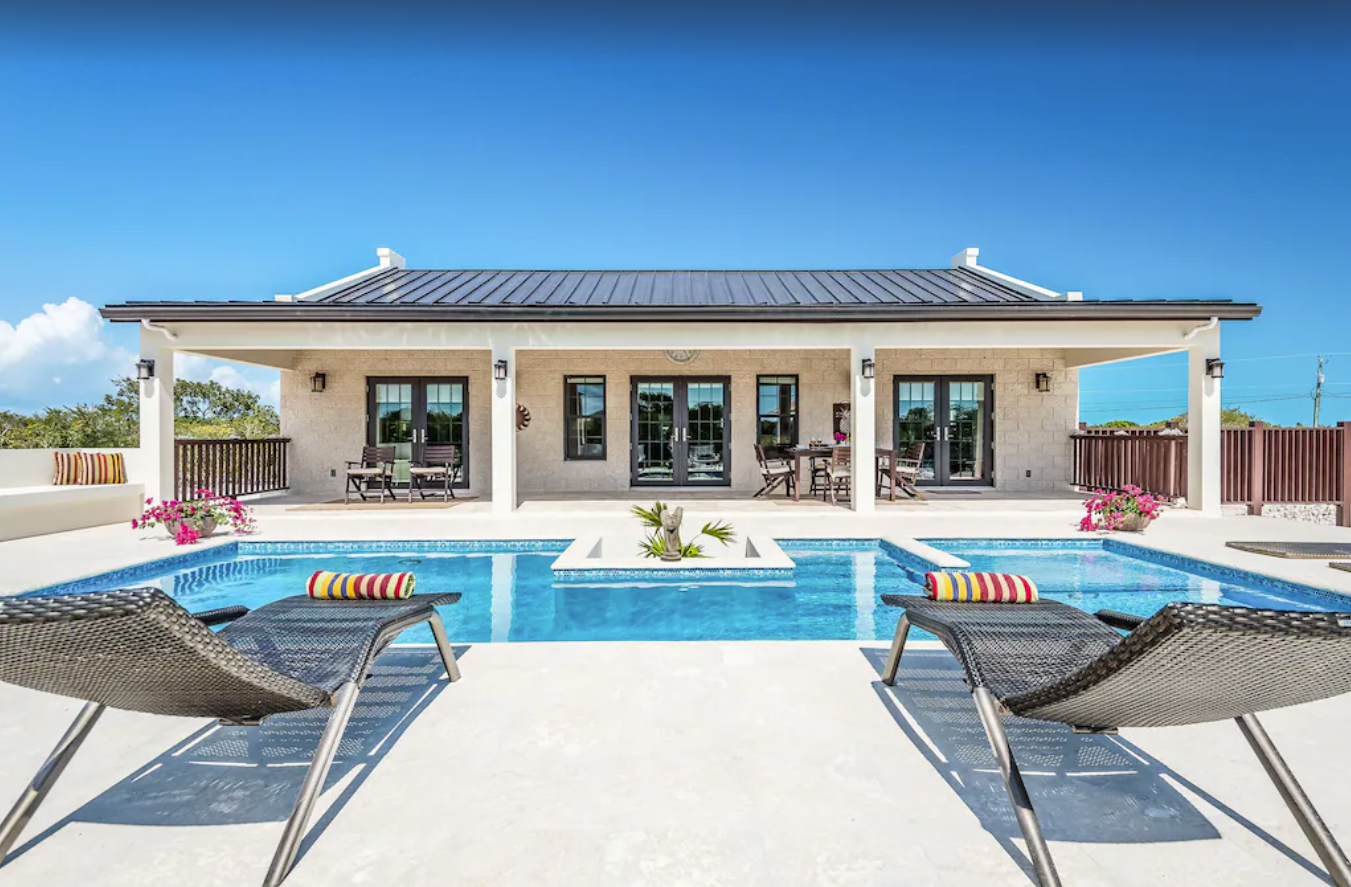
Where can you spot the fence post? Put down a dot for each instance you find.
(1344, 447)
(1257, 462)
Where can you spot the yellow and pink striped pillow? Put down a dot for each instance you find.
(1003, 588)
(360, 586)
(102, 468)
(67, 472)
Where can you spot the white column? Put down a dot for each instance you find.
(1203, 425)
(157, 417)
(504, 430)
(862, 428)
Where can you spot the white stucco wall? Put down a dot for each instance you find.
(329, 428)
(1031, 429)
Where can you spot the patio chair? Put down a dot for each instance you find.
(839, 474)
(376, 466)
(1186, 664)
(137, 649)
(908, 467)
(774, 472)
(437, 463)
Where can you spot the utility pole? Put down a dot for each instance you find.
(1318, 390)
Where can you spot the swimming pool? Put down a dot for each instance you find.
(510, 594)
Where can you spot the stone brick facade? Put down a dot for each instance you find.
(1031, 429)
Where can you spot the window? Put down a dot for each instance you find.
(776, 406)
(584, 417)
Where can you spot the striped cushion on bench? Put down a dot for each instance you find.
(102, 468)
(67, 472)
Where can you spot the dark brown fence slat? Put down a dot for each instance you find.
(230, 467)
(1258, 464)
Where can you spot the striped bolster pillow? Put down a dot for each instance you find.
(1002, 588)
(102, 468)
(67, 469)
(360, 586)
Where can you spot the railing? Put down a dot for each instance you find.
(230, 467)
(1258, 465)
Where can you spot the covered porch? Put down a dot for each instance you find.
(558, 412)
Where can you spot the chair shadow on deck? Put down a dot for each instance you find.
(1086, 788)
(234, 775)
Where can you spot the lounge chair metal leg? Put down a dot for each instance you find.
(36, 792)
(1334, 859)
(313, 785)
(897, 647)
(1013, 780)
(443, 645)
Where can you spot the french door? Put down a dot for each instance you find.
(413, 413)
(954, 416)
(681, 431)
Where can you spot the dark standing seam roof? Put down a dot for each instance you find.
(747, 288)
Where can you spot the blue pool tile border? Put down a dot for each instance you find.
(1188, 564)
(142, 572)
(842, 544)
(453, 546)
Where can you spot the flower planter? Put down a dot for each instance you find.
(1135, 523)
(205, 527)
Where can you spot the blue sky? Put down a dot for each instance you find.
(148, 169)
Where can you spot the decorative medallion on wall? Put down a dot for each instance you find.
(522, 418)
(681, 356)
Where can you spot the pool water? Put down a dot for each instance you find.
(509, 594)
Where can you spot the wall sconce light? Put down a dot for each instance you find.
(1214, 368)
(869, 368)
(145, 369)
(1044, 383)
(318, 382)
(500, 371)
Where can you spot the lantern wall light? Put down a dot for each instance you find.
(318, 382)
(869, 368)
(1214, 368)
(145, 369)
(1044, 383)
(500, 371)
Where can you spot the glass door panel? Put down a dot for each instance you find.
(705, 450)
(654, 437)
(916, 411)
(445, 415)
(410, 414)
(966, 432)
(954, 415)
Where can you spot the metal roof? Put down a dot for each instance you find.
(819, 296)
(563, 288)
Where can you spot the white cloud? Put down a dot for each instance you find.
(68, 340)
(265, 383)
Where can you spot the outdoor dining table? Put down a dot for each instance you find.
(824, 452)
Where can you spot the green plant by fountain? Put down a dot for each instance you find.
(664, 540)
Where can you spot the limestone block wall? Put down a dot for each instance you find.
(822, 381)
(1031, 429)
(329, 428)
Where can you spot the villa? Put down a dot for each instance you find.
(606, 382)
(550, 708)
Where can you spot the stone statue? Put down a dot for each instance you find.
(670, 533)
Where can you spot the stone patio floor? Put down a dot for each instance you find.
(783, 763)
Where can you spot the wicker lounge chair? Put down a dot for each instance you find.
(1186, 664)
(774, 473)
(137, 649)
(376, 466)
(437, 463)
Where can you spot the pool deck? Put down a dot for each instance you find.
(695, 763)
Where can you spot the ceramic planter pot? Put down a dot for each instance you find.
(205, 527)
(1135, 523)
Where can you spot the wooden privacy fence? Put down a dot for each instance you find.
(1258, 464)
(230, 467)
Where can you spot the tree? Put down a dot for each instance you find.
(1230, 417)
(202, 410)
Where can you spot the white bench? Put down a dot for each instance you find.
(35, 510)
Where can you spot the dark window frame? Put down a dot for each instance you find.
(604, 417)
(797, 407)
